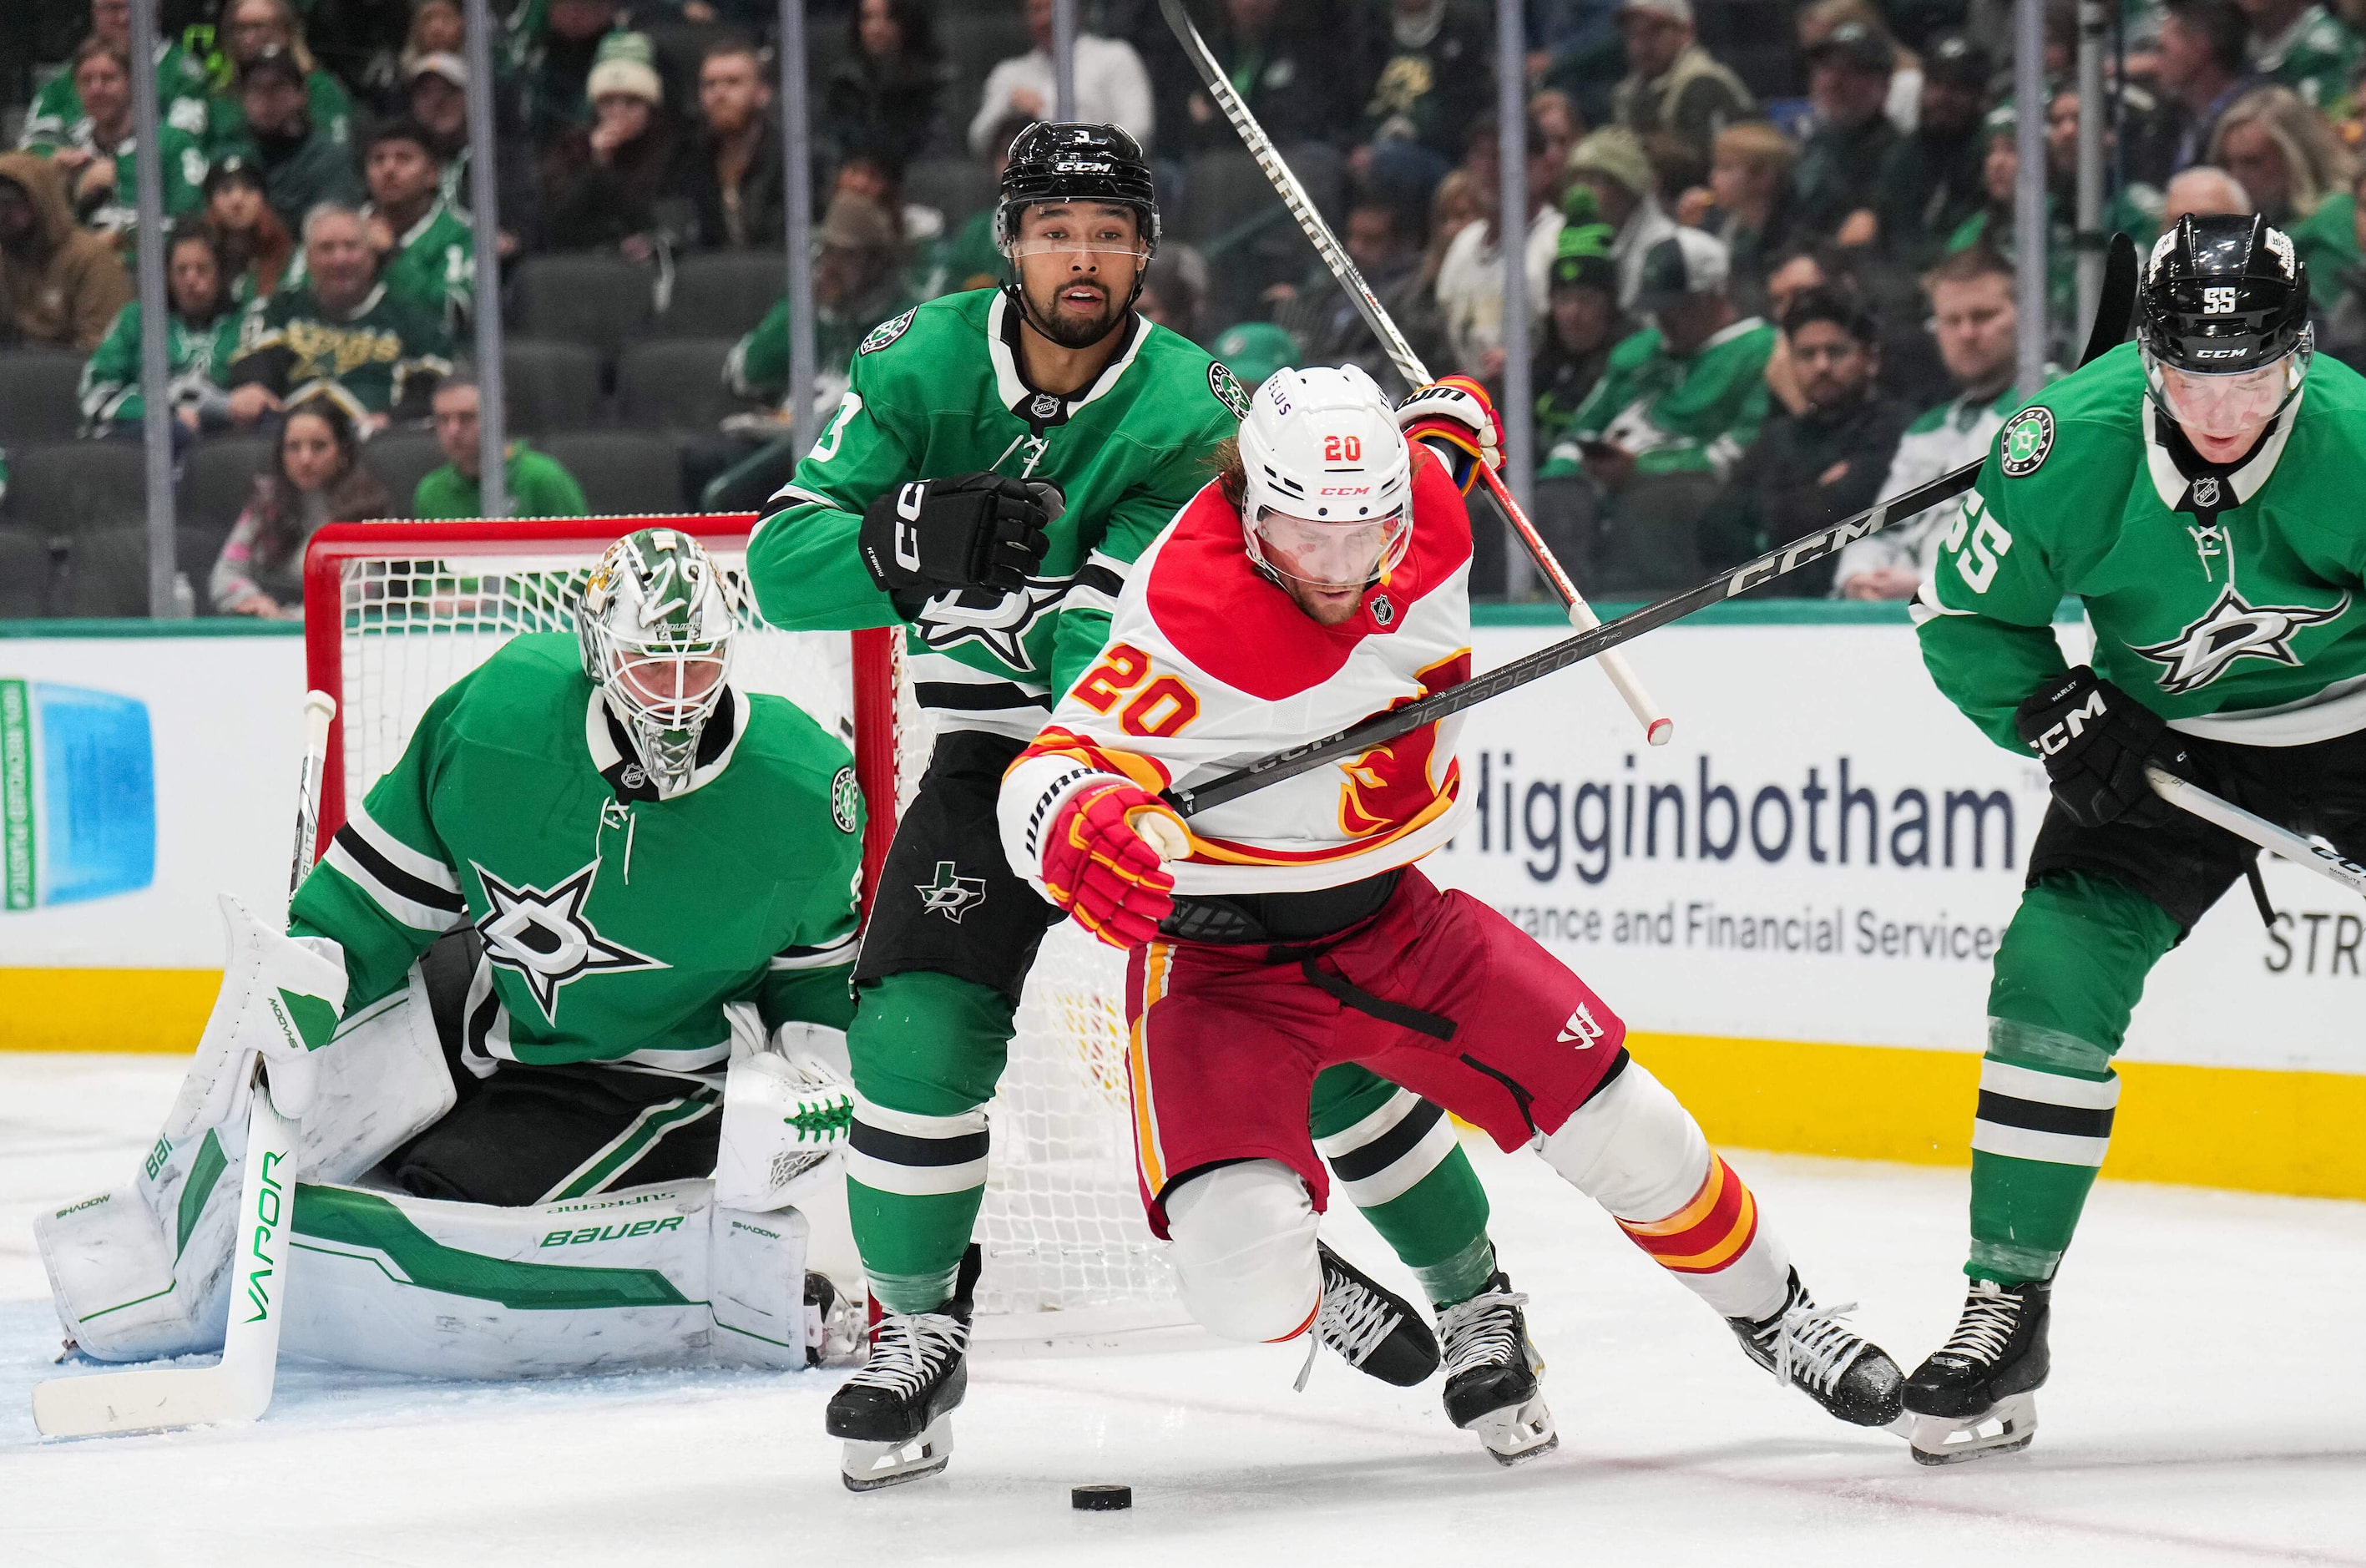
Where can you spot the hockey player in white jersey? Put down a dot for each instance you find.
(1319, 579)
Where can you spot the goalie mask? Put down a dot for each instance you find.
(2223, 324)
(656, 623)
(1327, 498)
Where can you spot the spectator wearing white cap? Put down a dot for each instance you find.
(1673, 84)
(1677, 406)
(605, 181)
(436, 91)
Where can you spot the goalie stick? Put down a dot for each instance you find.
(238, 1387)
(2111, 324)
(1658, 728)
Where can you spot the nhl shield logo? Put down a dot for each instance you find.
(2205, 491)
(1043, 406)
(2025, 442)
(1382, 611)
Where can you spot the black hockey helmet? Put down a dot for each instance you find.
(2222, 294)
(1075, 161)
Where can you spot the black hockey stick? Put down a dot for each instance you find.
(2111, 323)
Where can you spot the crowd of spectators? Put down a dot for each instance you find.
(1769, 244)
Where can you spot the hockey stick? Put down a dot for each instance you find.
(2273, 837)
(2110, 319)
(1657, 727)
(238, 1387)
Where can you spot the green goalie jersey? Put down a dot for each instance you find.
(937, 392)
(2224, 598)
(617, 925)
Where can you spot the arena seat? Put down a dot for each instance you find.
(217, 477)
(674, 384)
(106, 570)
(27, 567)
(401, 458)
(39, 393)
(549, 385)
(595, 297)
(954, 187)
(622, 471)
(71, 487)
(722, 293)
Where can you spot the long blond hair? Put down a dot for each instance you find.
(2315, 164)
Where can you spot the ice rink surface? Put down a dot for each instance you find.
(2208, 1406)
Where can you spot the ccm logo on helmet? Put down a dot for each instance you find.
(1344, 490)
(2220, 354)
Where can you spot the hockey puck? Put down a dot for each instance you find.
(1100, 1499)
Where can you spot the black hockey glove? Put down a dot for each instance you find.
(969, 531)
(2095, 740)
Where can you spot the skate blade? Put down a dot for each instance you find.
(867, 1467)
(1517, 1434)
(2004, 1428)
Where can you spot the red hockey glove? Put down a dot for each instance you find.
(1456, 418)
(1099, 863)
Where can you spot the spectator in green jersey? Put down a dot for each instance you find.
(198, 345)
(302, 163)
(537, 486)
(252, 29)
(98, 154)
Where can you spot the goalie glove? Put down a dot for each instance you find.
(2095, 740)
(280, 1000)
(979, 530)
(1456, 418)
(1104, 861)
(784, 1112)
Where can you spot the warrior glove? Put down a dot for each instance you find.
(2095, 740)
(1099, 863)
(1456, 418)
(970, 531)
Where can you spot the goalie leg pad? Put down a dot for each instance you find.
(140, 1271)
(1245, 1253)
(1637, 1151)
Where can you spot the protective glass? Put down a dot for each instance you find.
(2224, 408)
(1326, 554)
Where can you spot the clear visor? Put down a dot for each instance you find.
(672, 689)
(1326, 554)
(2226, 408)
(1086, 250)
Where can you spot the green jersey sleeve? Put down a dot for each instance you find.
(805, 562)
(110, 380)
(811, 980)
(1986, 613)
(759, 365)
(388, 887)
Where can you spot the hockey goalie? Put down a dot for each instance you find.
(560, 1012)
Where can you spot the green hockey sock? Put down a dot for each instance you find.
(927, 1050)
(1396, 1156)
(2068, 977)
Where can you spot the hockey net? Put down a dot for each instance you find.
(396, 612)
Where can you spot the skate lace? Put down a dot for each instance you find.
(1481, 1332)
(1813, 1347)
(910, 1348)
(1351, 1320)
(1987, 1326)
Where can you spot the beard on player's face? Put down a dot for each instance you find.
(1078, 311)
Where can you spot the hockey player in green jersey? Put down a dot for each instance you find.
(999, 460)
(660, 872)
(2198, 492)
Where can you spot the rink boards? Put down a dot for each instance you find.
(1794, 904)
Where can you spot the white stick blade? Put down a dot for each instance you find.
(108, 1403)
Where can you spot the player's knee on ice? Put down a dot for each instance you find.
(1244, 1249)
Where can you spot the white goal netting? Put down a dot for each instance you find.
(390, 625)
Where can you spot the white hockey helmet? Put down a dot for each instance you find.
(656, 623)
(1328, 498)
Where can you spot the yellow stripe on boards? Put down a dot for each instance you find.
(106, 1010)
(2236, 1127)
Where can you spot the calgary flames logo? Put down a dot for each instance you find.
(1388, 786)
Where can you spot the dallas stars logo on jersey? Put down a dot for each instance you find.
(999, 621)
(951, 895)
(2228, 630)
(544, 938)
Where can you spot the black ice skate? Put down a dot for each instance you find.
(1491, 1372)
(1809, 1348)
(1977, 1394)
(896, 1413)
(1375, 1330)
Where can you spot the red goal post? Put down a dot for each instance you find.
(333, 623)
